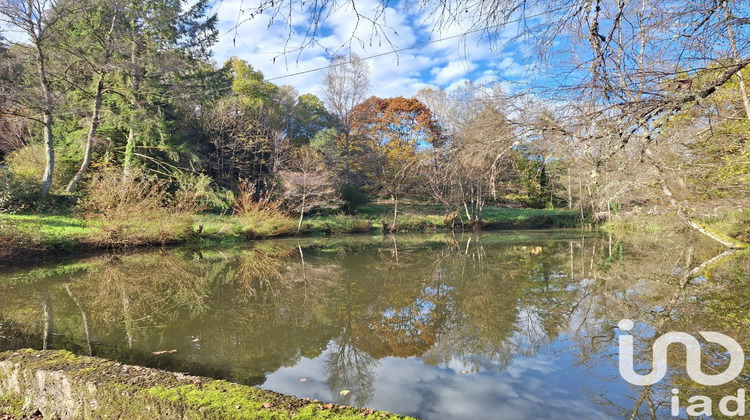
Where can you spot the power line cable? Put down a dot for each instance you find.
(396, 51)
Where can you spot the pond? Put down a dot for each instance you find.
(510, 325)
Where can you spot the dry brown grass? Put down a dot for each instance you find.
(262, 217)
(136, 211)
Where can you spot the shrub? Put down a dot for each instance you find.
(17, 195)
(133, 212)
(353, 198)
(28, 163)
(264, 219)
(20, 182)
(195, 193)
(261, 218)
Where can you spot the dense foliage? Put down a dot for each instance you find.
(123, 87)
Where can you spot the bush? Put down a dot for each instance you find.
(262, 218)
(196, 193)
(28, 165)
(133, 212)
(353, 198)
(20, 182)
(17, 195)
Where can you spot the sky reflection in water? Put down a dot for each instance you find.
(512, 325)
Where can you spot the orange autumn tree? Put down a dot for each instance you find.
(391, 135)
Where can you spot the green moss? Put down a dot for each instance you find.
(222, 400)
(733, 226)
(12, 406)
(140, 393)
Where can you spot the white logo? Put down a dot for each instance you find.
(693, 352)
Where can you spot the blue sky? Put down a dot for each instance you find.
(444, 64)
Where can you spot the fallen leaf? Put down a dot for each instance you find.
(303, 380)
(267, 405)
(344, 391)
(464, 372)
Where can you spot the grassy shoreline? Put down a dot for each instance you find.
(25, 236)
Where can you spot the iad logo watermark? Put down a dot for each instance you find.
(700, 404)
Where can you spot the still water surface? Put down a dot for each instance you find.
(512, 325)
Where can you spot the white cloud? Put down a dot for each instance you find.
(529, 388)
(446, 63)
(453, 71)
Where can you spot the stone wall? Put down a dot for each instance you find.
(63, 386)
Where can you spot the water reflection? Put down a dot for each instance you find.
(512, 325)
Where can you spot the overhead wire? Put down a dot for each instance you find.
(334, 65)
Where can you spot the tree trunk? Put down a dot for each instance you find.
(129, 327)
(49, 148)
(743, 88)
(468, 215)
(347, 153)
(90, 136)
(83, 317)
(395, 248)
(580, 196)
(728, 242)
(129, 151)
(302, 259)
(301, 213)
(570, 193)
(395, 213)
(49, 168)
(135, 84)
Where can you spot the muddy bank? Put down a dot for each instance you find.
(60, 385)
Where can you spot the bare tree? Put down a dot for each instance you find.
(736, 55)
(479, 156)
(245, 144)
(307, 183)
(346, 85)
(629, 66)
(439, 177)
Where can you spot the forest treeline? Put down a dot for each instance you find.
(108, 103)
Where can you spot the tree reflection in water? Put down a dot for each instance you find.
(479, 302)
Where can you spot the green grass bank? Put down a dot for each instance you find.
(24, 236)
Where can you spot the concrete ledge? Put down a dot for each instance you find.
(64, 386)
